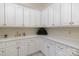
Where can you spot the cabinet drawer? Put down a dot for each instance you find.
(11, 43)
(2, 45)
(22, 42)
(60, 48)
(72, 51)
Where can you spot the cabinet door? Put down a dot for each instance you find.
(11, 51)
(56, 14)
(65, 14)
(60, 49)
(45, 47)
(75, 13)
(51, 49)
(72, 51)
(32, 18)
(23, 50)
(32, 46)
(37, 18)
(26, 17)
(1, 14)
(10, 14)
(51, 16)
(45, 18)
(2, 52)
(19, 16)
(22, 47)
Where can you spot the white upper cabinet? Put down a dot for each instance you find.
(37, 18)
(19, 15)
(45, 19)
(51, 16)
(56, 10)
(1, 14)
(65, 14)
(75, 13)
(26, 17)
(32, 18)
(10, 14)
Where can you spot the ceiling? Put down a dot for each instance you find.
(36, 5)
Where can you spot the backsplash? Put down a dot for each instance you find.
(11, 32)
(64, 32)
(59, 32)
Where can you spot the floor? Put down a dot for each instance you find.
(37, 54)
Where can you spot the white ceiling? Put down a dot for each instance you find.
(36, 5)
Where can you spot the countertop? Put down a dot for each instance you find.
(70, 42)
(66, 41)
(16, 38)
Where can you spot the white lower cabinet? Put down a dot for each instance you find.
(44, 47)
(51, 49)
(22, 50)
(2, 52)
(60, 49)
(22, 47)
(27, 46)
(11, 51)
(72, 51)
(48, 47)
(32, 45)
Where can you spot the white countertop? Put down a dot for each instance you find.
(15, 38)
(70, 42)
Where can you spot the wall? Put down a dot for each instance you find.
(57, 32)
(13, 31)
(70, 33)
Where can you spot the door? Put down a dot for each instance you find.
(26, 17)
(1, 14)
(10, 14)
(75, 13)
(56, 9)
(19, 15)
(11, 51)
(65, 14)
